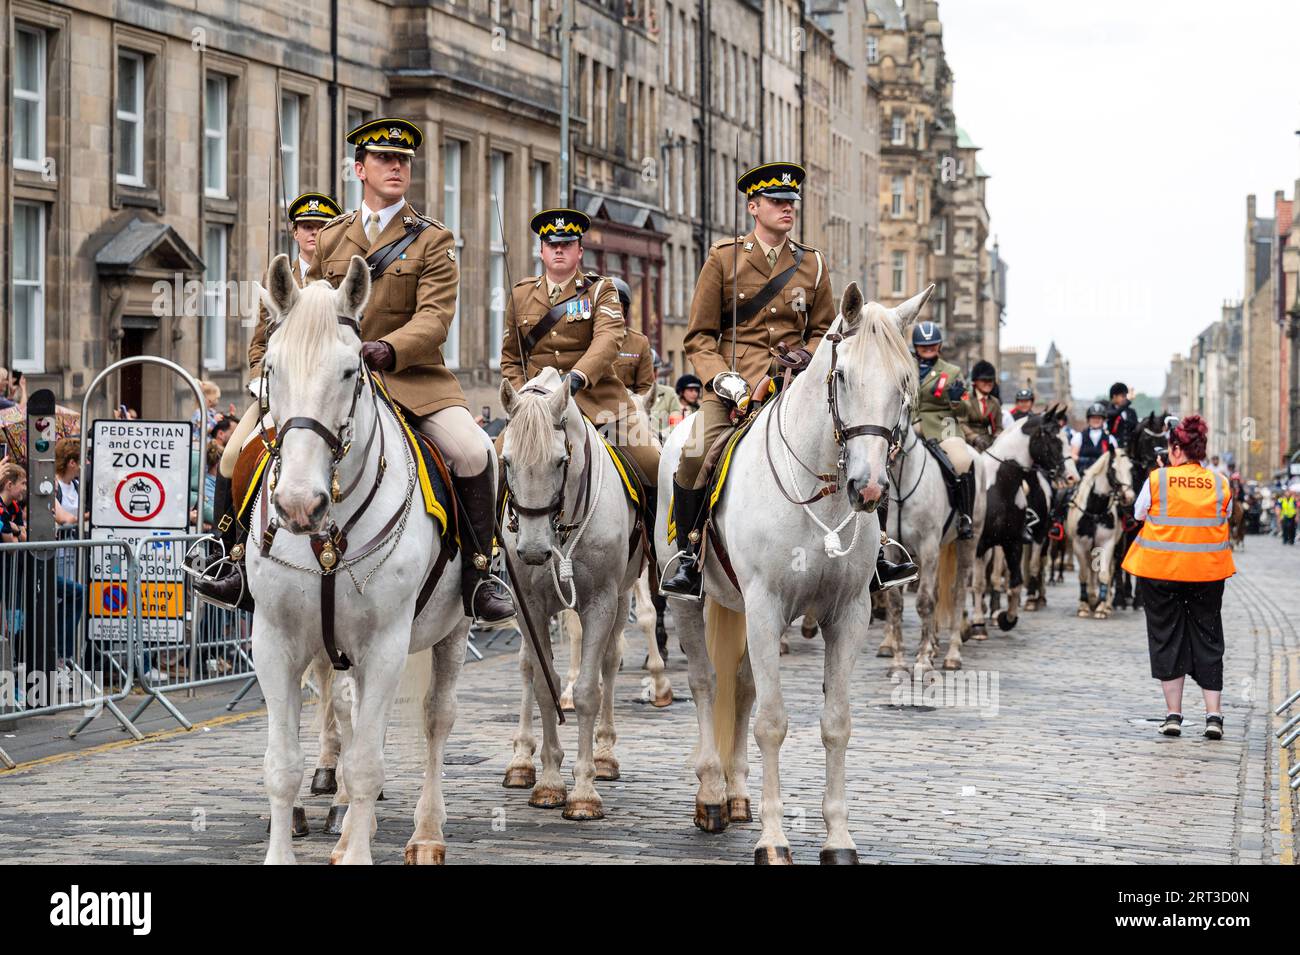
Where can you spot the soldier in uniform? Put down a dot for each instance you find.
(783, 307)
(412, 304)
(635, 362)
(980, 416)
(940, 399)
(572, 321)
(308, 213)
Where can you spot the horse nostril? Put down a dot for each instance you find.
(318, 512)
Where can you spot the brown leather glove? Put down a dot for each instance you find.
(378, 356)
(796, 359)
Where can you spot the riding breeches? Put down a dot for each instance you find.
(464, 445)
(707, 425)
(959, 453)
(235, 443)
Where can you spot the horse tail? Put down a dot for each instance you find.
(724, 636)
(946, 606)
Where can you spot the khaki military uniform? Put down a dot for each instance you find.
(980, 418)
(587, 340)
(634, 366)
(937, 417)
(798, 316)
(412, 305)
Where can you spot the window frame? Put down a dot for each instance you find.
(40, 96)
(288, 193)
(898, 269)
(222, 135)
(897, 129)
(215, 323)
(498, 174)
(897, 196)
(135, 179)
(36, 363)
(451, 347)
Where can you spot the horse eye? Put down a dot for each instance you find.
(350, 373)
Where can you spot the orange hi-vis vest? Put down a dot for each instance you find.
(1185, 536)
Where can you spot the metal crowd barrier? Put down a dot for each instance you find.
(1291, 730)
(84, 622)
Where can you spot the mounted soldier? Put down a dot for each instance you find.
(572, 321)
(635, 363)
(981, 414)
(415, 281)
(941, 397)
(308, 213)
(1093, 441)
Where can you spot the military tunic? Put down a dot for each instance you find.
(412, 304)
(634, 366)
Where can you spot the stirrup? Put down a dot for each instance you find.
(886, 541)
(694, 598)
(195, 563)
(504, 622)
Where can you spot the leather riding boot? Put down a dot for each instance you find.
(965, 505)
(890, 574)
(688, 506)
(484, 603)
(227, 588)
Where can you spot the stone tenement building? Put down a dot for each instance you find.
(150, 148)
(934, 225)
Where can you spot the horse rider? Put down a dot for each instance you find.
(412, 306)
(1121, 419)
(1093, 441)
(941, 397)
(634, 365)
(688, 390)
(981, 414)
(1023, 407)
(663, 403)
(307, 214)
(573, 322)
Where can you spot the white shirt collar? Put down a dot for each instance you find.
(303, 266)
(385, 215)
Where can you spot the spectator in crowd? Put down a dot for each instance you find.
(13, 389)
(13, 497)
(210, 484)
(1181, 558)
(67, 476)
(663, 400)
(221, 432)
(211, 395)
(1286, 512)
(688, 396)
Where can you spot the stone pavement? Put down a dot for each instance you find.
(1057, 761)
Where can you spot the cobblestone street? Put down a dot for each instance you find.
(1061, 764)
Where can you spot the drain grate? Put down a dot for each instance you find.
(903, 708)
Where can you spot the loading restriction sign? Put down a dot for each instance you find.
(141, 474)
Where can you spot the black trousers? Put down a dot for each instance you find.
(1288, 530)
(1185, 630)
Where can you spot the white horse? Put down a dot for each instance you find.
(571, 534)
(1094, 527)
(923, 521)
(790, 559)
(315, 374)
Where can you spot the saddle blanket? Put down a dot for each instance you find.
(431, 474)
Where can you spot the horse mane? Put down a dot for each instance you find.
(303, 332)
(877, 333)
(1097, 468)
(531, 428)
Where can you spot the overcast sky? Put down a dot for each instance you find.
(1122, 138)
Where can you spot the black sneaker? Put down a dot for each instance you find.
(1214, 727)
(1173, 725)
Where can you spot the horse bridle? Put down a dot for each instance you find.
(554, 509)
(841, 432)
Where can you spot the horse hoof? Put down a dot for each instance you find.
(323, 781)
(665, 700)
(298, 828)
(838, 857)
(520, 777)
(583, 810)
(738, 810)
(807, 632)
(773, 855)
(710, 818)
(607, 769)
(1100, 614)
(1006, 621)
(545, 797)
(952, 664)
(785, 646)
(426, 853)
(885, 651)
(334, 821)
(1084, 612)
(566, 704)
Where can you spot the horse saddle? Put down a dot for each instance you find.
(716, 467)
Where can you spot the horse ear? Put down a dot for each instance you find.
(355, 288)
(280, 284)
(559, 399)
(907, 313)
(509, 397)
(851, 305)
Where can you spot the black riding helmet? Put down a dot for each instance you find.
(983, 371)
(1096, 410)
(1025, 394)
(926, 333)
(688, 381)
(624, 293)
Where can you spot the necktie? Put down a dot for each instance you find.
(372, 227)
(771, 258)
(555, 293)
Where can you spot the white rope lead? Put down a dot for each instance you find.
(831, 541)
(562, 564)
